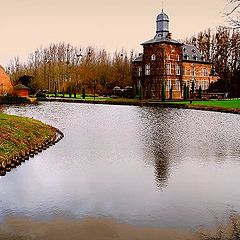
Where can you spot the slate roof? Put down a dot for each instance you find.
(189, 53)
(157, 39)
(192, 54)
(139, 58)
(162, 16)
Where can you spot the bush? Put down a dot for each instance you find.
(9, 99)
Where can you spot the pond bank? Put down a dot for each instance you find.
(21, 138)
(135, 102)
(106, 228)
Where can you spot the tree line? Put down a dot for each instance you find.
(63, 68)
(222, 48)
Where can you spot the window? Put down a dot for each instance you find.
(192, 71)
(168, 85)
(195, 57)
(183, 71)
(204, 72)
(168, 57)
(178, 58)
(177, 69)
(139, 73)
(197, 85)
(177, 85)
(205, 85)
(168, 68)
(147, 69)
(153, 57)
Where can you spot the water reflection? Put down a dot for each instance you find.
(146, 166)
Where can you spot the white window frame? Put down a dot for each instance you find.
(147, 69)
(168, 69)
(204, 72)
(139, 72)
(192, 71)
(177, 69)
(177, 85)
(205, 84)
(168, 85)
(153, 57)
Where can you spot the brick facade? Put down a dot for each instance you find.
(6, 86)
(166, 65)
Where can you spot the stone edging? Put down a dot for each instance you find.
(22, 156)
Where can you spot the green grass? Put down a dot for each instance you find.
(228, 104)
(233, 104)
(19, 133)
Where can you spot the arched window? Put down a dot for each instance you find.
(153, 57)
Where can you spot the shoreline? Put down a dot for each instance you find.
(95, 228)
(21, 138)
(148, 103)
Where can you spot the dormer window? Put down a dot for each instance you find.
(186, 56)
(184, 49)
(193, 50)
(195, 57)
(153, 57)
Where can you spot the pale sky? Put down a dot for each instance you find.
(110, 24)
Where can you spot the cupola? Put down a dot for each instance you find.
(162, 24)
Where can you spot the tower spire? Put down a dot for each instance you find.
(162, 25)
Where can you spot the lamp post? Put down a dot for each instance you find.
(94, 89)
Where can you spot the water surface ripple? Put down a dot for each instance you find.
(144, 166)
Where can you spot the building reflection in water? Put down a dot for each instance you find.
(158, 136)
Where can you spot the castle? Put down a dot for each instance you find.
(166, 68)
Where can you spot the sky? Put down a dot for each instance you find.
(111, 24)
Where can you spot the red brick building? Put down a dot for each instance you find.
(6, 86)
(21, 90)
(166, 65)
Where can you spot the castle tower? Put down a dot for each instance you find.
(162, 29)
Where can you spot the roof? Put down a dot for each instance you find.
(21, 87)
(161, 40)
(192, 54)
(162, 16)
(139, 58)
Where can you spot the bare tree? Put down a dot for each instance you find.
(233, 13)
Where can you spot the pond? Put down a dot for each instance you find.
(156, 167)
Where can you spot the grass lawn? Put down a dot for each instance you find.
(18, 133)
(228, 104)
(234, 104)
